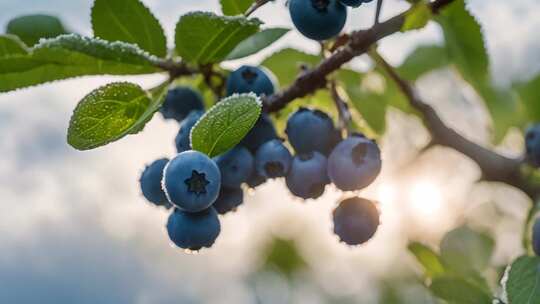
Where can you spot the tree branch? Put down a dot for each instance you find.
(494, 167)
(359, 42)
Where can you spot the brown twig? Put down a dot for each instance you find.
(344, 114)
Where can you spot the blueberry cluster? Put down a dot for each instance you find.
(321, 19)
(199, 188)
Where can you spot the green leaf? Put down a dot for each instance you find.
(70, 56)
(529, 94)
(417, 17)
(31, 28)
(422, 60)
(466, 251)
(112, 112)
(235, 7)
(458, 291)
(207, 38)
(466, 49)
(523, 284)
(287, 63)
(257, 42)
(427, 258)
(12, 45)
(129, 21)
(225, 124)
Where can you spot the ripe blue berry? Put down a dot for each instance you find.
(151, 183)
(273, 159)
(180, 101)
(356, 220)
(228, 200)
(193, 230)
(355, 163)
(262, 131)
(532, 144)
(191, 181)
(318, 19)
(307, 177)
(255, 179)
(182, 140)
(354, 3)
(536, 237)
(251, 79)
(310, 130)
(235, 165)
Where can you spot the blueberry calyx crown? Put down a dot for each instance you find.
(274, 169)
(320, 5)
(305, 156)
(359, 153)
(249, 75)
(197, 183)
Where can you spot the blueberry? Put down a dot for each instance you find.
(235, 165)
(310, 130)
(262, 131)
(536, 237)
(182, 139)
(354, 3)
(532, 144)
(355, 220)
(151, 183)
(255, 179)
(318, 19)
(228, 200)
(193, 230)
(251, 79)
(307, 177)
(355, 163)
(273, 159)
(191, 181)
(180, 101)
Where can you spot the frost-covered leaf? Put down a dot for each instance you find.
(523, 284)
(71, 56)
(31, 28)
(11, 45)
(235, 7)
(422, 60)
(417, 17)
(458, 291)
(111, 112)
(257, 42)
(466, 251)
(203, 37)
(224, 125)
(430, 260)
(129, 21)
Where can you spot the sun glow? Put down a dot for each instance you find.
(425, 198)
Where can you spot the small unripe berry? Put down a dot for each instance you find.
(356, 220)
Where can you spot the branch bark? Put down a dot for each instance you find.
(359, 43)
(494, 167)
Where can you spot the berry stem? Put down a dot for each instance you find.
(345, 119)
(378, 11)
(255, 6)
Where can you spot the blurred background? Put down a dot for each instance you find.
(74, 227)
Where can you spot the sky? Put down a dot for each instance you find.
(75, 229)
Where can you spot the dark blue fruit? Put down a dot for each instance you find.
(273, 159)
(307, 177)
(255, 179)
(318, 19)
(180, 101)
(310, 130)
(193, 230)
(236, 166)
(532, 145)
(192, 181)
(354, 3)
(262, 132)
(356, 220)
(228, 200)
(151, 183)
(536, 237)
(182, 140)
(251, 79)
(354, 163)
